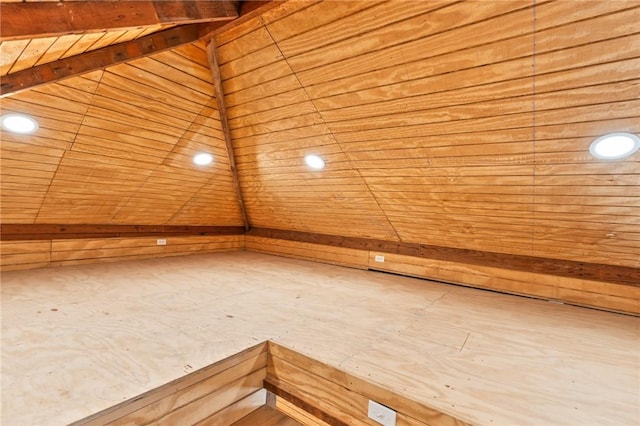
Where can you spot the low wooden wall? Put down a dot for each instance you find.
(31, 254)
(611, 296)
(339, 398)
(305, 390)
(615, 296)
(342, 256)
(220, 394)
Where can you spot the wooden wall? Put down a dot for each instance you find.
(230, 390)
(219, 394)
(438, 128)
(338, 397)
(31, 254)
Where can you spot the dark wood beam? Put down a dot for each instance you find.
(98, 59)
(44, 19)
(22, 232)
(224, 121)
(541, 265)
(247, 9)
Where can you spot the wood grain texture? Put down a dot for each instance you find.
(33, 20)
(464, 137)
(51, 72)
(266, 416)
(293, 411)
(81, 249)
(10, 232)
(78, 340)
(212, 56)
(123, 144)
(443, 266)
(236, 411)
(316, 414)
(437, 131)
(183, 394)
(337, 393)
(606, 273)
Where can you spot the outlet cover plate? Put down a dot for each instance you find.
(381, 414)
(161, 242)
(379, 258)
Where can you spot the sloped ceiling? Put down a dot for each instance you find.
(17, 55)
(457, 124)
(115, 147)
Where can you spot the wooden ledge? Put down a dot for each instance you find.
(231, 389)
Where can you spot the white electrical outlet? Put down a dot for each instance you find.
(161, 242)
(379, 258)
(381, 414)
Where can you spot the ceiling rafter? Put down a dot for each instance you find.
(98, 59)
(226, 130)
(46, 19)
(247, 9)
(127, 51)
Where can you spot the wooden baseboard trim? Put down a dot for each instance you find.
(562, 268)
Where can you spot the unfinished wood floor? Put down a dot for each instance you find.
(76, 340)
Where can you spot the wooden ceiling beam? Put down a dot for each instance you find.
(44, 19)
(247, 9)
(226, 130)
(99, 59)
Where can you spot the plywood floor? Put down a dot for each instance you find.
(76, 340)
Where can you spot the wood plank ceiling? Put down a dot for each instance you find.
(460, 124)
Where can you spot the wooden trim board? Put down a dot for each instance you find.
(46, 19)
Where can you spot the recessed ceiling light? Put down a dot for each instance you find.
(202, 159)
(19, 123)
(615, 146)
(314, 162)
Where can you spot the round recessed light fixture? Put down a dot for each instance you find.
(615, 146)
(202, 159)
(314, 161)
(19, 123)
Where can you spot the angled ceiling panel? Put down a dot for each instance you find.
(462, 135)
(116, 147)
(274, 125)
(17, 55)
